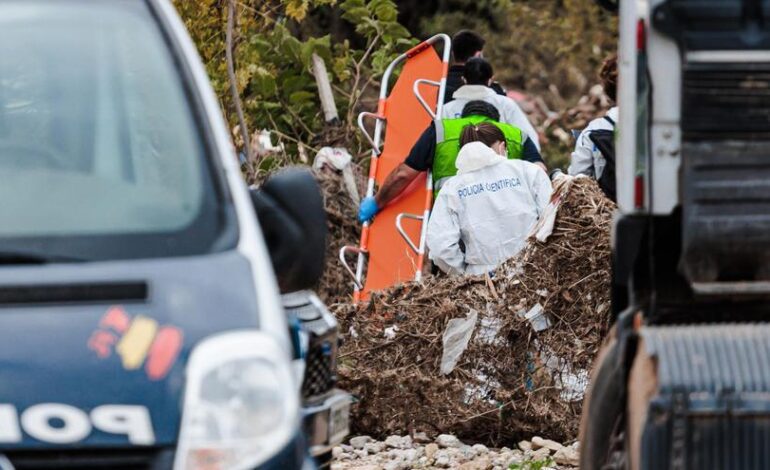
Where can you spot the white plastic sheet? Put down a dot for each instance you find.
(457, 334)
(544, 227)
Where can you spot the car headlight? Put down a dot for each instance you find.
(241, 404)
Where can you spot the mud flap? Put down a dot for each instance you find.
(699, 397)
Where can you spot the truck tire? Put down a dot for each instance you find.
(602, 422)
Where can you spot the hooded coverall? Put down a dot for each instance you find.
(490, 205)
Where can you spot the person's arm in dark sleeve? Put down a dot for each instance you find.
(420, 159)
(530, 153)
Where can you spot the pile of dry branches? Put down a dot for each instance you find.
(344, 229)
(558, 126)
(511, 381)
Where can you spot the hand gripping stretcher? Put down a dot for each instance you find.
(387, 253)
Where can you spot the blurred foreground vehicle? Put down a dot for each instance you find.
(684, 379)
(141, 322)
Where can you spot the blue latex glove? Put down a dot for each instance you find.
(368, 209)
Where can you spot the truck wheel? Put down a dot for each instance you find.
(602, 442)
(324, 460)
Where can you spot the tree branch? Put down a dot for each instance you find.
(233, 82)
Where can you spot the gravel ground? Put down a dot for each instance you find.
(406, 452)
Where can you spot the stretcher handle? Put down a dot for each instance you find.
(344, 260)
(366, 114)
(403, 233)
(416, 89)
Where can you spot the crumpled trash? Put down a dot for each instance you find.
(544, 226)
(263, 143)
(339, 159)
(455, 340)
(572, 383)
(390, 332)
(537, 318)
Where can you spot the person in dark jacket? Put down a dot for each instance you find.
(465, 45)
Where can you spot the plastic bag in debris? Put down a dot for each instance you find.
(457, 334)
(537, 318)
(339, 159)
(544, 226)
(571, 382)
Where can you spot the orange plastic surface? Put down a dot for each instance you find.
(390, 259)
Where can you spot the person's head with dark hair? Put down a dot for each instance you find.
(477, 72)
(486, 133)
(609, 76)
(481, 108)
(466, 44)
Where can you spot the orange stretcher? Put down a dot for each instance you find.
(387, 253)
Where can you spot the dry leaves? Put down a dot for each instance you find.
(511, 381)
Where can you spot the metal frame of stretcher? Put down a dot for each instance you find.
(389, 272)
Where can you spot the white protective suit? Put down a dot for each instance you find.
(510, 112)
(490, 205)
(587, 159)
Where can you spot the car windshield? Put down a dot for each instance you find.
(101, 156)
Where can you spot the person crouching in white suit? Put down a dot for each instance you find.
(483, 215)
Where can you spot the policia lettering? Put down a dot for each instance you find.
(57, 423)
(448, 133)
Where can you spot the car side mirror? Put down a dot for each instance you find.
(291, 213)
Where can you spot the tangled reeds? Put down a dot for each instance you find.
(511, 380)
(343, 229)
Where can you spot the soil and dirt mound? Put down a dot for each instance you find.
(511, 380)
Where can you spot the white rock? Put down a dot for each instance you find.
(421, 437)
(480, 448)
(513, 459)
(448, 440)
(393, 466)
(347, 448)
(430, 450)
(567, 456)
(478, 464)
(442, 459)
(410, 455)
(539, 442)
(361, 453)
(398, 442)
(359, 442)
(467, 452)
(542, 453)
(337, 452)
(525, 445)
(374, 447)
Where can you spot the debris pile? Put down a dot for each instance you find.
(516, 346)
(558, 126)
(344, 229)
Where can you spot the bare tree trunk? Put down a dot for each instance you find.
(233, 83)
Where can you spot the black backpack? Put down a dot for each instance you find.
(604, 139)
